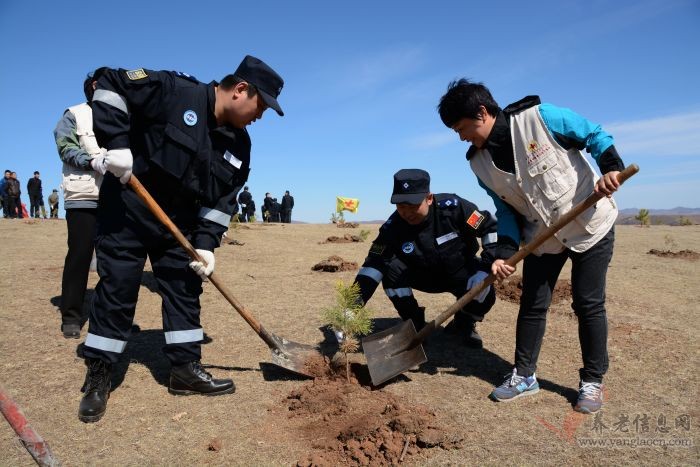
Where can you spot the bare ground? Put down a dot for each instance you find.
(652, 383)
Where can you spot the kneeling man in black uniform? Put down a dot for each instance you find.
(429, 244)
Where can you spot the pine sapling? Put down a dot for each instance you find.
(350, 318)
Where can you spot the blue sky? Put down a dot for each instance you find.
(362, 80)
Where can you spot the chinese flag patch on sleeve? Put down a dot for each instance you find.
(475, 219)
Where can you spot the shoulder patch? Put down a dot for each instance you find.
(377, 249)
(475, 219)
(449, 203)
(133, 75)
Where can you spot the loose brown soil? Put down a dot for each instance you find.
(334, 264)
(347, 225)
(511, 288)
(347, 238)
(683, 254)
(346, 423)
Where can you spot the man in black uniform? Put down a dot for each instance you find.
(429, 244)
(287, 206)
(267, 207)
(244, 200)
(188, 145)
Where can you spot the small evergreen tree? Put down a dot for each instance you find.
(349, 317)
(643, 217)
(363, 235)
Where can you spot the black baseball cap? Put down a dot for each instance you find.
(265, 79)
(411, 186)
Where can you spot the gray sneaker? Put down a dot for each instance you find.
(590, 397)
(515, 386)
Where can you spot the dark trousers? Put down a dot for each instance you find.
(81, 243)
(287, 216)
(34, 203)
(399, 280)
(128, 234)
(588, 274)
(10, 205)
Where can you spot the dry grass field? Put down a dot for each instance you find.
(651, 416)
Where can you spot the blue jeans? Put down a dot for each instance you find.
(588, 273)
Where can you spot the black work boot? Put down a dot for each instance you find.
(191, 378)
(417, 316)
(471, 337)
(466, 329)
(98, 382)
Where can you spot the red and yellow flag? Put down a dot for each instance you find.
(346, 204)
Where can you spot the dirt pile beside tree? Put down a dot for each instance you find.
(334, 264)
(683, 254)
(348, 424)
(512, 287)
(347, 238)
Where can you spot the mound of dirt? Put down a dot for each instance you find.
(683, 254)
(334, 264)
(511, 289)
(234, 242)
(347, 225)
(347, 238)
(347, 424)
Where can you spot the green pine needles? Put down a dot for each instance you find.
(350, 317)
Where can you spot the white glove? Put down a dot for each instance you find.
(200, 268)
(339, 336)
(120, 163)
(98, 164)
(475, 280)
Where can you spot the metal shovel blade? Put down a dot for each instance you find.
(387, 353)
(292, 356)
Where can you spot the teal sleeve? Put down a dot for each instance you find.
(572, 130)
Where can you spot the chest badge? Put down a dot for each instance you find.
(408, 247)
(190, 117)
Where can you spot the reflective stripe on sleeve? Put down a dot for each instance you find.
(489, 238)
(374, 274)
(402, 292)
(105, 343)
(178, 337)
(111, 98)
(213, 215)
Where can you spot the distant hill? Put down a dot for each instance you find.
(660, 216)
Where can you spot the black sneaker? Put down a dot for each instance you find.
(191, 378)
(98, 382)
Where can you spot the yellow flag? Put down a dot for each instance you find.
(346, 204)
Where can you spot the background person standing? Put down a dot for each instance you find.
(287, 206)
(77, 147)
(35, 195)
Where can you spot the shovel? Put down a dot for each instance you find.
(286, 354)
(397, 349)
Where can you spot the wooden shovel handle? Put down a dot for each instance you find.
(523, 252)
(146, 197)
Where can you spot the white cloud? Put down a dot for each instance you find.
(671, 135)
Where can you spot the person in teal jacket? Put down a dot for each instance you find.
(528, 159)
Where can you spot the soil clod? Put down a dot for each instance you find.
(335, 264)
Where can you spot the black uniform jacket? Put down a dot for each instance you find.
(445, 242)
(180, 153)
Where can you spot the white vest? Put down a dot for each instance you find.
(79, 185)
(548, 181)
